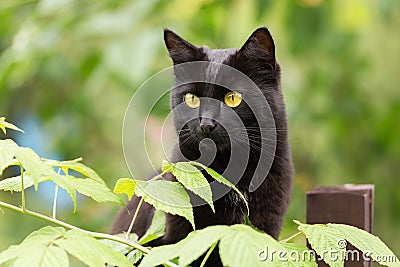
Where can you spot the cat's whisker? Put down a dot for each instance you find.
(256, 146)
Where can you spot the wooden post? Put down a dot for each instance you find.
(348, 204)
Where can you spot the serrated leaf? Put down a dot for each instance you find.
(300, 255)
(193, 180)
(156, 229)
(166, 166)
(125, 186)
(32, 163)
(65, 183)
(40, 171)
(40, 238)
(159, 255)
(188, 249)
(118, 246)
(77, 166)
(322, 239)
(15, 184)
(134, 256)
(44, 256)
(88, 187)
(366, 242)
(7, 150)
(4, 124)
(89, 250)
(95, 190)
(167, 196)
(241, 245)
(197, 243)
(219, 178)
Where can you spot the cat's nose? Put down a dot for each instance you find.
(207, 125)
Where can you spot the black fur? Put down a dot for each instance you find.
(269, 202)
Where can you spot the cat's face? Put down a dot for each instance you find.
(212, 100)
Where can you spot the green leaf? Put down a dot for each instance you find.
(4, 125)
(167, 166)
(167, 196)
(32, 163)
(219, 178)
(38, 239)
(189, 249)
(159, 255)
(197, 243)
(240, 247)
(44, 256)
(193, 179)
(134, 256)
(366, 242)
(118, 246)
(88, 187)
(15, 184)
(156, 229)
(76, 166)
(125, 186)
(65, 183)
(7, 150)
(322, 239)
(97, 191)
(90, 250)
(39, 171)
(301, 256)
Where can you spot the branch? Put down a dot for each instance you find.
(134, 218)
(158, 176)
(290, 237)
(72, 227)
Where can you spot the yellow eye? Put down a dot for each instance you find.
(192, 101)
(233, 99)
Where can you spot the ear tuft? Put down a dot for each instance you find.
(260, 45)
(179, 49)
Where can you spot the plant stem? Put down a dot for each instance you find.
(55, 198)
(72, 227)
(208, 254)
(134, 218)
(158, 176)
(22, 188)
(140, 205)
(290, 237)
(55, 202)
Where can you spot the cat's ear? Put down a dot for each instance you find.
(260, 45)
(179, 49)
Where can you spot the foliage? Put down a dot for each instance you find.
(51, 245)
(239, 245)
(37, 170)
(4, 125)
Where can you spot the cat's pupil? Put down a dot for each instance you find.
(233, 97)
(192, 98)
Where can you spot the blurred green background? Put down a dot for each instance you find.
(68, 69)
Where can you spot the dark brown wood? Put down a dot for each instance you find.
(348, 204)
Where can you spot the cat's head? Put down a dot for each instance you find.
(223, 94)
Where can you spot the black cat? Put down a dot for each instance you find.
(206, 111)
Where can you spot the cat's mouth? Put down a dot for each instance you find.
(197, 137)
